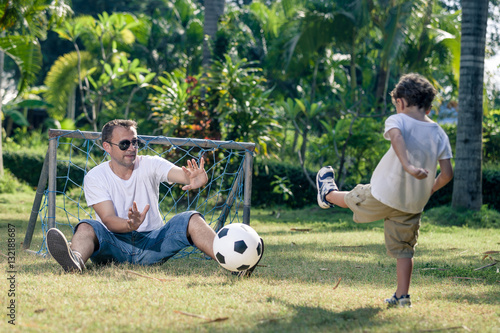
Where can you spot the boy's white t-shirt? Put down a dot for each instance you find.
(101, 184)
(426, 144)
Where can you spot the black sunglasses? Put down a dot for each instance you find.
(125, 144)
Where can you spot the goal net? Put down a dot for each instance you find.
(60, 198)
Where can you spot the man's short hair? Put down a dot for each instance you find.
(416, 90)
(107, 130)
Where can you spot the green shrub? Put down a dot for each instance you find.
(27, 165)
(24, 164)
(10, 184)
(264, 193)
(491, 185)
(448, 216)
(441, 197)
(274, 183)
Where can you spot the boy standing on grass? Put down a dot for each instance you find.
(403, 180)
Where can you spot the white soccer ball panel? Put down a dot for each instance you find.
(237, 247)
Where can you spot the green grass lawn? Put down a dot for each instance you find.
(292, 291)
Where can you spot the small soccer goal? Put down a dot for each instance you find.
(60, 201)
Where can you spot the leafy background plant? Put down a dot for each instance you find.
(306, 80)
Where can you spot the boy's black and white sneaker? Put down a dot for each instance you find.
(325, 183)
(403, 302)
(70, 261)
(248, 272)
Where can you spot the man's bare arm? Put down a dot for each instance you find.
(106, 212)
(192, 176)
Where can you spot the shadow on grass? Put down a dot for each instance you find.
(307, 318)
(316, 218)
(309, 262)
(472, 298)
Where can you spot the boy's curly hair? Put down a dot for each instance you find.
(416, 90)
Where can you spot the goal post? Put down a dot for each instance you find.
(60, 202)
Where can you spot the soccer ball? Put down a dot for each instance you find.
(237, 247)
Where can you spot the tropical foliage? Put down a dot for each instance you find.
(307, 80)
(24, 24)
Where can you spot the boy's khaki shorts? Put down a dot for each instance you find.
(400, 228)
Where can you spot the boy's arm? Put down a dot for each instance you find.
(399, 146)
(444, 176)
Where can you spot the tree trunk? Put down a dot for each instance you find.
(352, 71)
(381, 87)
(467, 185)
(213, 10)
(295, 138)
(71, 105)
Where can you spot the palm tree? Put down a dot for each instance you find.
(213, 10)
(26, 21)
(432, 47)
(101, 71)
(390, 21)
(467, 186)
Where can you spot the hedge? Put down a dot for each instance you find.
(304, 194)
(491, 196)
(262, 190)
(27, 165)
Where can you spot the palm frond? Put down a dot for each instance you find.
(27, 55)
(62, 80)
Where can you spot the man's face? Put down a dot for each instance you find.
(121, 135)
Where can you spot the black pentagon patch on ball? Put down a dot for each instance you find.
(259, 248)
(240, 246)
(243, 267)
(223, 232)
(220, 258)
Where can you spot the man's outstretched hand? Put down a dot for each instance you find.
(196, 174)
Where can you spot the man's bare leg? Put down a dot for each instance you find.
(201, 234)
(84, 241)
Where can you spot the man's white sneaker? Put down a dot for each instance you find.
(70, 261)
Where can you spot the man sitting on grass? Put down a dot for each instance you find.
(124, 193)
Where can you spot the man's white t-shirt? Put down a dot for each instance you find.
(102, 184)
(426, 144)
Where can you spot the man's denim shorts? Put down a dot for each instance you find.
(142, 248)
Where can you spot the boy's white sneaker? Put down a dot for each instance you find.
(402, 302)
(325, 183)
